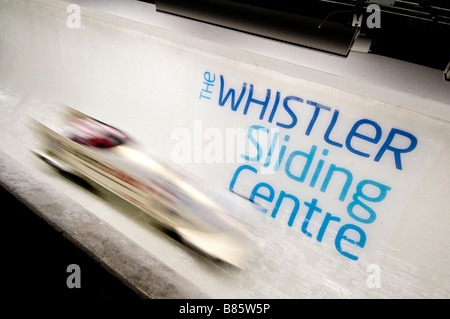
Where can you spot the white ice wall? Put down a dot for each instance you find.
(147, 80)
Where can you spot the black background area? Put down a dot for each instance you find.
(36, 257)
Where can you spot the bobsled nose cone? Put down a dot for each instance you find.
(222, 246)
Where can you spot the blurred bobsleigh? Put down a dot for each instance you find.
(204, 216)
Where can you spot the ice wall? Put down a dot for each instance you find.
(160, 85)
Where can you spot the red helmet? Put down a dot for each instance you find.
(90, 132)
